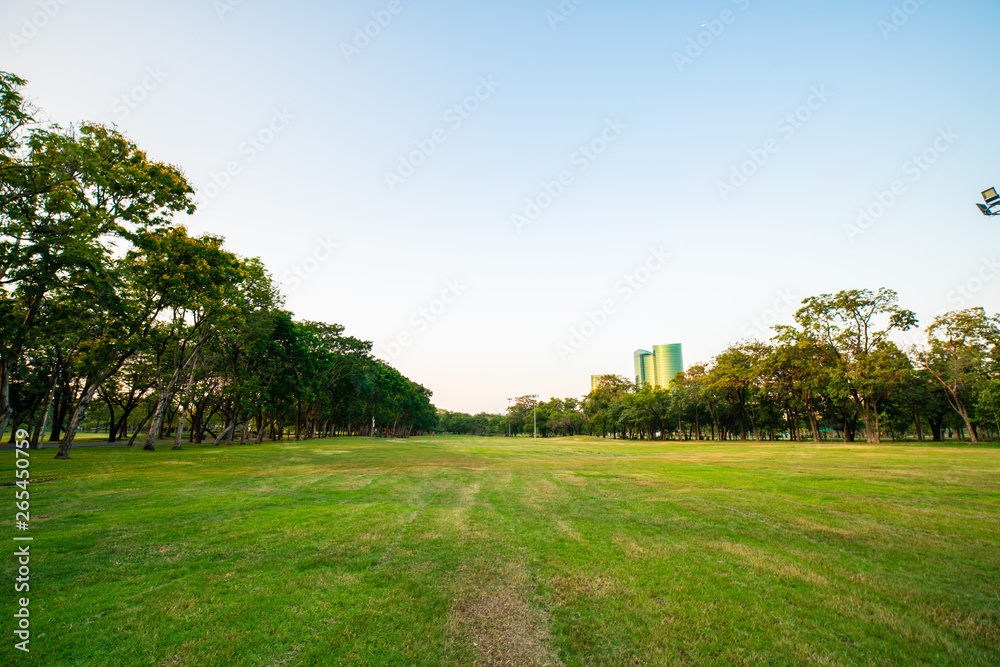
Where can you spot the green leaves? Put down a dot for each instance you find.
(961, 353)
(853, 322)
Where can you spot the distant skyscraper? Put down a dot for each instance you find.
(595, 382)
(658, 368)
(645, 367)
(669, 362)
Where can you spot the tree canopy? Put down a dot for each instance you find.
(105, 294)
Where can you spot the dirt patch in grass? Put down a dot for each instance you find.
(496, 616)
(571, 586)
(505, 630)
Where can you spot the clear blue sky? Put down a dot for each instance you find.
(837, 96)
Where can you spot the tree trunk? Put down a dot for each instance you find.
(870, 436)
(122, 426)
(964, 414)
(260, 428)
(814, 425)
(298, 420)
(180, 428)
(161, 408)
(14, 352)
(74, 423)
(5, 409)
(184, 407)
(138, 429)
(935, 428)
(63, 399)
(112, 424)
(38, 437)
(224, 434)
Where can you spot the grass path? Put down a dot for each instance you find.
(462, 551)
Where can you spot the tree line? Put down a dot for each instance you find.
(834, 374)
(109, 306)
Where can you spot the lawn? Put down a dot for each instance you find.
(461, 551)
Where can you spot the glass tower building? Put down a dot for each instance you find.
(645, 367)
(658, 368)
(595, 382)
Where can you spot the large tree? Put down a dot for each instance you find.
(960, 350)
(851, 328)
(193, 277)
(736, 374)
(798, 378)
(71, 202)
(151, 279)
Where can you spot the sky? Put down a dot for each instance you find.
(509, 197)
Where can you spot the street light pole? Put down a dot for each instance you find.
(534, 416)
(508, 416)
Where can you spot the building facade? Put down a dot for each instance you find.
(595, 382)
(645, 367)
(658, 368)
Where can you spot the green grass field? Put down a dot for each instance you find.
(461, 551)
